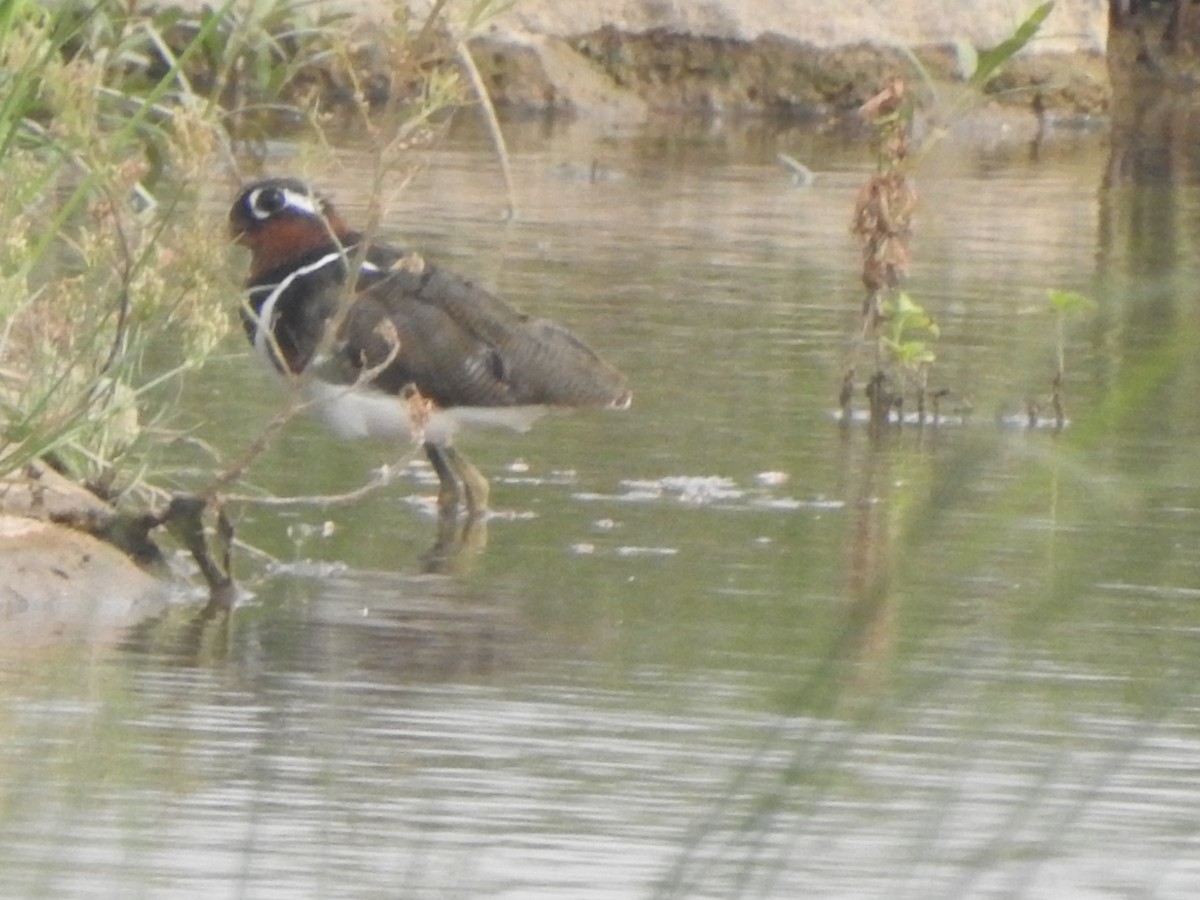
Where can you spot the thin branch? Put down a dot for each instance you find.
(430, 21)
(253, 451)
(493, 124)
(382, 478)
(126, 279)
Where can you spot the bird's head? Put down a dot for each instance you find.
(281, 219)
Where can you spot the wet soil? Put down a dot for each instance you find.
(771, 76)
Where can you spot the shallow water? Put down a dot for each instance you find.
(720, 645)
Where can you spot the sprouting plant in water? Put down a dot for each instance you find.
(906, 332)
(882, 220)
(1063, 305)
(883, 215)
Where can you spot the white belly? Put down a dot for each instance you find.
(360, 412)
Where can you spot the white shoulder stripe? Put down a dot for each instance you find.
(265, 319)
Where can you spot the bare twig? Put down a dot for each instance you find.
(430, 22)
(382, 478)
(252, 452)
(489, 114)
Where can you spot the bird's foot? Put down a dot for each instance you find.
(448, 500)
(454, 546)
(475, 487)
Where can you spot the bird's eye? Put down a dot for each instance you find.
(265, 202)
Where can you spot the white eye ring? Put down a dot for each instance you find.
(302, 203)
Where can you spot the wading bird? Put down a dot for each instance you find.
(403, 349)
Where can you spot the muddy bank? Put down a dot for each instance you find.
(631, 59)
(62, 581)
(61, 585)
(632, 76)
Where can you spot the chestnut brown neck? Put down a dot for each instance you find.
(286, 239)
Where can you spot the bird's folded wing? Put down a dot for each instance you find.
(463, 346)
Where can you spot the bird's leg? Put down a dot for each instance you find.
(448, 496)
(475, 486)
(440, 558)
(452, 547)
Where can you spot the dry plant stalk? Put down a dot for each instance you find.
(883, 212)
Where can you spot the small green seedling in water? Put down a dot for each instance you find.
(904, 342)
(1062, 305)
(897, 329)
(904, 317)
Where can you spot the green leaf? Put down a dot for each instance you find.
(914, 353)
(905, 304)
(1069, 302)
(993, 59)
